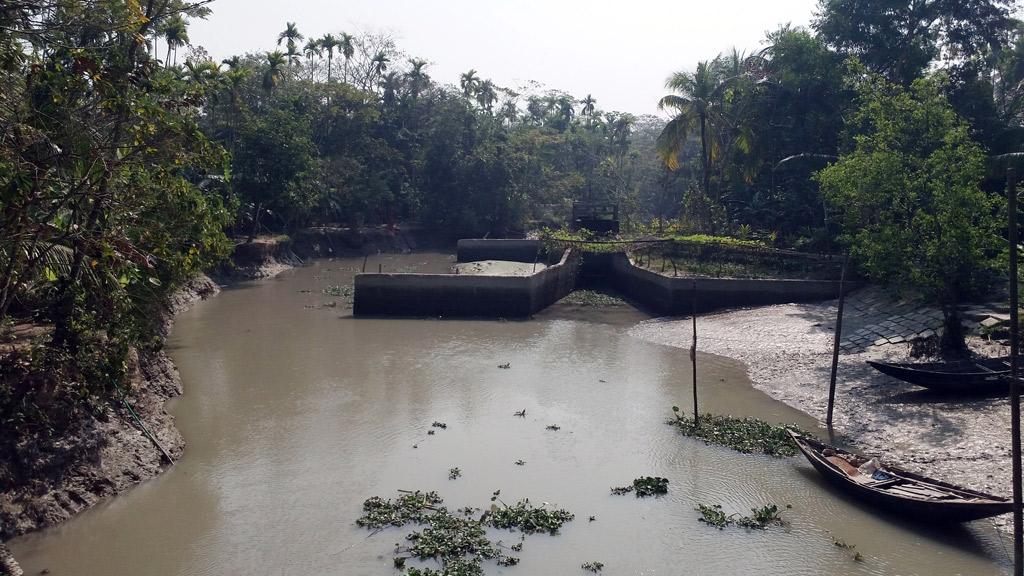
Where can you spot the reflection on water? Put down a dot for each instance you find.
(295, 413)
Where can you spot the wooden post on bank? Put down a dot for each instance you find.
(1018, 519)
(835, 344)
(693, 356)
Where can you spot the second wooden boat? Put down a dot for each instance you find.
(982, 376)
(897, 491)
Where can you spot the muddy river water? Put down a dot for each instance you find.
(295, 413)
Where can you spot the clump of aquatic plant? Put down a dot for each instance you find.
(554, 427)
(760, 518)
(592, 298)
(592, 566)
(644, 486)
(850, 548)
(713, 515)
(521, 413)
(457, 541)
(409, 507)
(338, 291)
(520, 462)
(454, 473)
(747, 435)
(527, 518)
(440, 425)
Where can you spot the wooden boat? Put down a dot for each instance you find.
(982, 376)
(904, 493)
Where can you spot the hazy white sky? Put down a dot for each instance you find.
(621, 52)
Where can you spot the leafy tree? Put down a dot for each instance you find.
(900, 39)
(110, 198)
(907, 190)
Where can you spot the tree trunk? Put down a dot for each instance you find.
(953, 342)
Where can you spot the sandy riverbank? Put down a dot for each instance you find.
(787, 349)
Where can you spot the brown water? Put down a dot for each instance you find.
(295, 413)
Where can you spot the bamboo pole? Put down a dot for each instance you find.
(1018, 517)
(693, 357)
(835, 344)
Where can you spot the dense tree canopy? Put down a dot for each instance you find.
(908, 193)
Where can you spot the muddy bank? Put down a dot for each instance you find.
(106, 454)
(787, 350)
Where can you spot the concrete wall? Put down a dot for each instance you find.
(674, 296)
(473, 250)
(454, 295)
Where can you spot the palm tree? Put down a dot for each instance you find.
(378, 65)
(589, 105)
(233, 63)
(469, 81)
(329, 42)
(510, 110)
(696, 104)
(275, 70)
(293, 55)
(203, 71)
(176, 35)
(389, 88)
(291, 34)
(566, 110)
(417, 77)
(311, 50)
(348, 49)
(486, 95)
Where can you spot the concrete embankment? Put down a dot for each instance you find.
(671, 296)
(454, 295)
(509, 296)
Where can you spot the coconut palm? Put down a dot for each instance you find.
(291, 34)
(346, 42)
(329, 42)
(696, 104)
(175, 32)
(274, 73)
(469, 82)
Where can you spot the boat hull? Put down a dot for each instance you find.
(947, 381)
(910, 508)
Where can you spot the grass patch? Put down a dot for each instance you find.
(747, 435)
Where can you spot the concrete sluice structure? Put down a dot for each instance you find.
(492, 296)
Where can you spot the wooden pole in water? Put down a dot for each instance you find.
(835, 344)
(693, 356)
(1018, 517)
